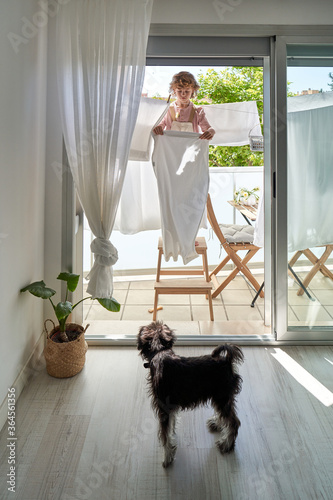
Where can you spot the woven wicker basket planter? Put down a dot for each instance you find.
(65, 359)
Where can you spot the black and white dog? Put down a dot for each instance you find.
(180, 383)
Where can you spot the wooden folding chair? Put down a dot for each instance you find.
(318, 265)
(233, 238)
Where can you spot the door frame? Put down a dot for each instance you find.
(280, 198)
(227, 51)
(275, 143)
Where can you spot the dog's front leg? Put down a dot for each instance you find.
(168, 437)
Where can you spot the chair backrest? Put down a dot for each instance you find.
(213, 221)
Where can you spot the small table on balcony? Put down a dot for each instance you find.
(249, 212)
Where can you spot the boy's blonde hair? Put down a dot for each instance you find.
(184, 79)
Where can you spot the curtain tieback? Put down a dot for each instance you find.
(104, 252)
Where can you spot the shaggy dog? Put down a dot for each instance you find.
(179, 383)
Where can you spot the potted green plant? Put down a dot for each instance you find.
(65, 347)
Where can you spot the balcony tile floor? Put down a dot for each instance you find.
(190, 313)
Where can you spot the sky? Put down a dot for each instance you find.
(157, 78)
(305, 78)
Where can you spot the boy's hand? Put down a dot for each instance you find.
(158, 130)
(209, 134)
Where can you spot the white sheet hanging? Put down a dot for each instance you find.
(139, 207)
(310, 172)
(180, 160)
(259, 227)
(151, 112)
(233, 122)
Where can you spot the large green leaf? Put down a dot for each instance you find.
(39, 289)
(110, 304)
(71, 279)
(63, 310)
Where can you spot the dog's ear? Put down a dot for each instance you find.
(141, 340)
(168, 337)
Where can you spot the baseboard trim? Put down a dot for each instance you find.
(32, 367)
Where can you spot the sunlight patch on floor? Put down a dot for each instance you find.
(304, 378)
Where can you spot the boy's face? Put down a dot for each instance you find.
(184, 94)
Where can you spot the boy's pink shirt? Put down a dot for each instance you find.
(200, 122)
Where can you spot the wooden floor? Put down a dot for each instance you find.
(94, 436)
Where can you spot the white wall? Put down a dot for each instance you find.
(53, 173)
(246, 12)
(22, 158)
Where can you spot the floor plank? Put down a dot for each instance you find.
(94, 436)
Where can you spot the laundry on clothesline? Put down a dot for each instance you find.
(233, 122)
(259, 229)
(180, 161)
(310, 173)
(139, 208)
(151, 112)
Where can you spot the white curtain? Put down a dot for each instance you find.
(101, 49)
(310, 171)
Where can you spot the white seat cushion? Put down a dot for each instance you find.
(235, 233)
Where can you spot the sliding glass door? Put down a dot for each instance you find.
(231, 64)
(304, 278)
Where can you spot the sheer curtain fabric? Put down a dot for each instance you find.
(101, 49)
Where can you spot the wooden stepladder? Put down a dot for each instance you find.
(184, 286)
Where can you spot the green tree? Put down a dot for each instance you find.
(234, 84)
(330, 84)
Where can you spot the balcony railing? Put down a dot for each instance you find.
(138, 252)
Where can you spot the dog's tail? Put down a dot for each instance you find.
(231, 353)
